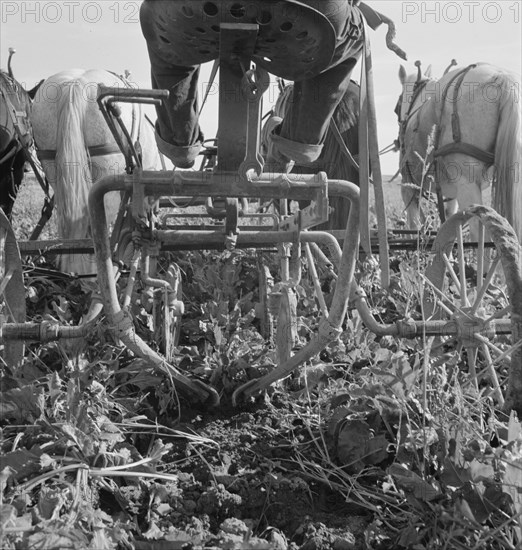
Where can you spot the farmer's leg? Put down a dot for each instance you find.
(301, 135)
(178, 134)
(303, 131)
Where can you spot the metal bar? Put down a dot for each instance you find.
(315, 280)
(81, 246)
(42, 332)
(134, 95)
(412, 329)
(236, 45)
(69, 246)
(227, 184)
(5, 279)
(480, 256)
(127, 297)
(373, 151)
(326, 239)
(485, 285)
(451, 271)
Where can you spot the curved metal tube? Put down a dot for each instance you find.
(45, 331)
(326, 239)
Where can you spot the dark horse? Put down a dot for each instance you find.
(16, 137)
(333, 160)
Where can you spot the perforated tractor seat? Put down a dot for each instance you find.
(295, 41)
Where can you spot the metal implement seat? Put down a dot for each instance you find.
(295, 41)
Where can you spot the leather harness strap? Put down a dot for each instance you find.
(418, 87)
(94, 151)
(11, 151)
(455, 129)
(466, 149)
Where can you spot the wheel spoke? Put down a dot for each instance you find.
(486, 342)
(315, 280)
(498, 314)
(485, 285)
(499, 353)
(451, 271)
(480, 256)
(509, 351)
(444, 307)
(442, 344)
(462, 267)
(452, 307)
(450, 304)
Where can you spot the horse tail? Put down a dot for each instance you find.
(73, 175)
(507, 185)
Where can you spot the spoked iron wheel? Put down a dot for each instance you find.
(12, 291)
(479, 291)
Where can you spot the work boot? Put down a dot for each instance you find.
(283, 153)
(181, 156)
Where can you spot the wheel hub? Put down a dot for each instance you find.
(467, 325)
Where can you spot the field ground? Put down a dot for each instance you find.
(379, 443)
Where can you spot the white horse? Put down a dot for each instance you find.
(76, 149)
(473, 116)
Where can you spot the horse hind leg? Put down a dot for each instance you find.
(469, 193)
(450, 207)
(410, 197)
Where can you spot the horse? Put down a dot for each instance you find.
(76, 148)
(464, 131)
(16, 138)
(338, 161)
